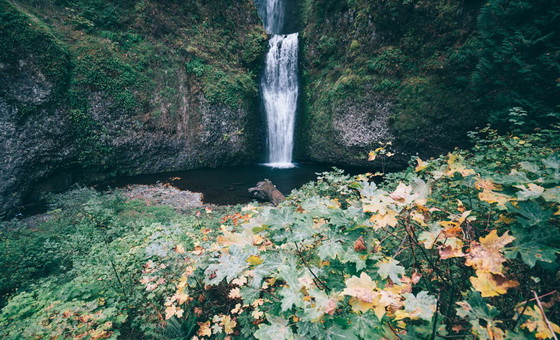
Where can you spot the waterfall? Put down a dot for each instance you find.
(274, 21)
(280, 92)
(279, 86)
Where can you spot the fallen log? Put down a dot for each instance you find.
(267, 191)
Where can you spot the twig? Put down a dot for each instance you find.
(316, 280)
(533, 299)
(393, 330)
(434, 327)
(118, 278)
(544, 315)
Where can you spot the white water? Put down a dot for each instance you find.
(280, 92)
(274, 16)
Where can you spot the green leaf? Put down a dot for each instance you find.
(532, 213)
(420, 306)
(366, 326)
(278, 329)
(390, 268)
(537, 244)
(291, 296)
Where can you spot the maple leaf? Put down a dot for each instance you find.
(490, 284)
(421, 165)
(486, 255)
(382, 220)
(235, 293)
(531, 191)
(421, 306)
(279, 329)
(552, 195)
(254, 260)
(362, 290)
(360, 245)
(228, 324)
(494, 197)
(455, 164)
(453, 228)
(390, 269)
(428, 238)
(403, 194)
(486, 184)
(379, 203)
(536, 322)
(173, 310)
(453, 247)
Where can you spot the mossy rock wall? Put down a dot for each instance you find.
(425, 72)
(92, 89)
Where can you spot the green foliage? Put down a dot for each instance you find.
(27, 40)
(453, 246)
(518, 63)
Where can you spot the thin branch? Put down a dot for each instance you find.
(316, 280)
(544, 315)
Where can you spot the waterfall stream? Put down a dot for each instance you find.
(279, 86)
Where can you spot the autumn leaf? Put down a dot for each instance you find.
(254, 260)
(421, 306)
(360, 245)
(403, 195)
(421, 165)
(228, 324)
(486, 184)
(362, 289)
(173, 310)
(204, 329)
(486, 255)
(235, 293)
(531, 191)
(378, 204)
(455, 164)
(453, 247)
(383, 220)
(537, 323)
(494, 197)
(489, 284)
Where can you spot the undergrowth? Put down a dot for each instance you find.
(461, 246)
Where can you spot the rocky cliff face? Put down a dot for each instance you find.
(81, 101)
(378, 72)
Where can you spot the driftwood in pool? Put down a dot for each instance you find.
(267, 191)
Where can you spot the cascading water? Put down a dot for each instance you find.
(279, 86)
(280, 92)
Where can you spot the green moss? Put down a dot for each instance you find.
(26, 37)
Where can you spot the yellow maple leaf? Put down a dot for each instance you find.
(453, 247)
(254, 260)
(455, 164)
(379, 203)
(235, 293)
(204, 329)
(371, 156)
(537, 323)
(172, 310)
(495, 197)
(486, 184)
(489, 284)
(403, 194)
(486, 255)
(382, 220)
(421, 165)
(228, 324)
(362, 289)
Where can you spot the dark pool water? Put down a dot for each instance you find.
(225, 186)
